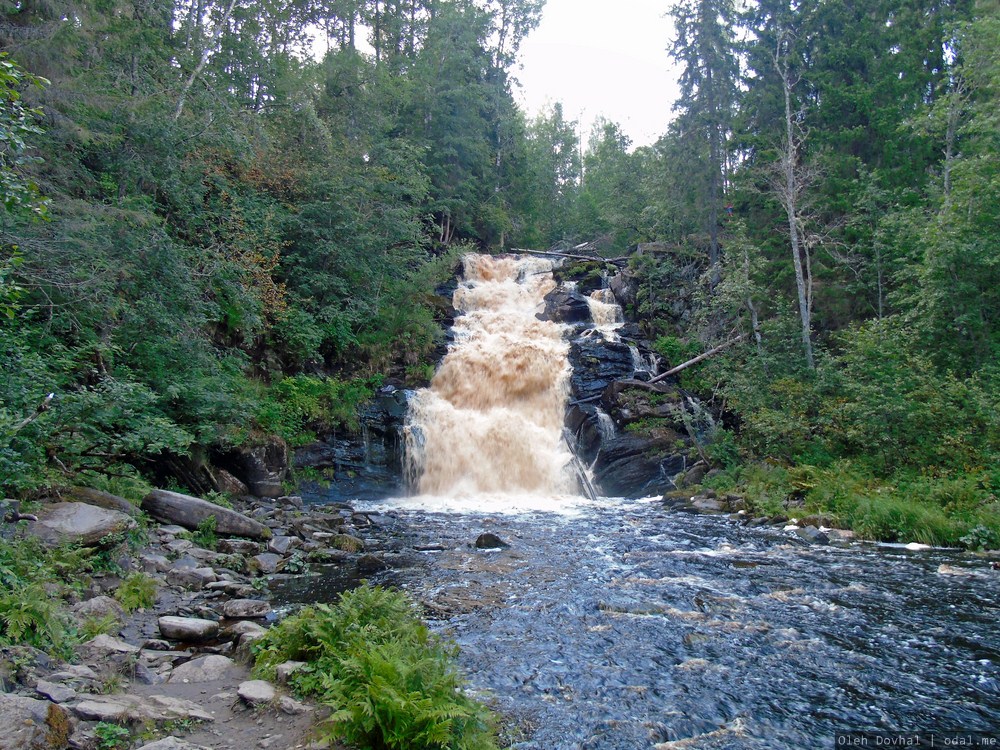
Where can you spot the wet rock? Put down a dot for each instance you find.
(371, 564)
(204, 669)
(262, 467)
(812, 535)
(79, 523)
(564, 305)
(266, 563)
(187, 629)
(134, 709)
(282, 545)
(100, 608)
(54, 691)
(29, 724)
(705, 504)
(189, 512)
(257, 693)
(194, 579)
(490, 541)
(243, 609)
(238, 547)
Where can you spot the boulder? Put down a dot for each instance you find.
(262, 467)
(135, 709)
(29, 724)
(99, 608)
(101, 499)
(238, 547)
(230, 484)
(54, 691)
(245, 609)
(490, 541)
(102, 647)
(79, 523)
(266, 562)
(282, 545)
(284, 671)
(564, 305)
(189, 512)
(209, 668)
(194, 579)
(172, 743)
(347, 543)
(187, 629)
(257, 693)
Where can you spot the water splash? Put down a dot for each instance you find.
(606, 313)
(605, 425)
(649, 365)
(491, 420)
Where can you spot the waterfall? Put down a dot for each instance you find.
(641, 364)
(606, 313)
(605, 425)
(491, 420)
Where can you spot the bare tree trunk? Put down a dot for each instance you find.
(789, 194)
(206, 53)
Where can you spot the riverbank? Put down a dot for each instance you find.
(126, 631)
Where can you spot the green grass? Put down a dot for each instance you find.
(392, 685)
(959, 510)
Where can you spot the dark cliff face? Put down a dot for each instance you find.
(636, 438)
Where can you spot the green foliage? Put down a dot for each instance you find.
(28, 612)
(391, 683)
(19, 194)
(137, 591)
(204, 536)
(111, 736)
(294, 406)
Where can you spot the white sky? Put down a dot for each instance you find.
(602, 57)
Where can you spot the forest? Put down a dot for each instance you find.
(226, 219)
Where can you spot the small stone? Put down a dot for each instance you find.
(178, 546)
(204, 669)
(490, 541)
(55, 692)
(286, 669)
(812, 535)
(194, 579)
(238, 547)
(266, 562)
(242, 609)
(292, 707)
(257, 692)
(172, 743)
(187, 628)
(154, 563)
(282, 545)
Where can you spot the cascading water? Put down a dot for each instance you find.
(606, 313)
(491, 420)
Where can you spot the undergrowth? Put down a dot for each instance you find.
(391, 683)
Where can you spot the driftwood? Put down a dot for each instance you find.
(696, 360)
(42, 408)
(189, 512)
(572, 256)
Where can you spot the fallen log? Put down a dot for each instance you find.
(189, 512)
(696, 360)
(572, 256)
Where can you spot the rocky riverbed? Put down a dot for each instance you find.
(176, 675)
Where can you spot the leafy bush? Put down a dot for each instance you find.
(391, 683)
(294, 406)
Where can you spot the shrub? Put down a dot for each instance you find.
(137, 591)
(392, 684)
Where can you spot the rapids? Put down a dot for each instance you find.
(621, 624)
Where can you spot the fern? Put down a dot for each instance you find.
(391, 683)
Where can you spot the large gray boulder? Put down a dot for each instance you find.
(209, 668)
(29, 724)
(80, 523)
(135, 709)
(189, 512)
(188, 629)
(262, 467)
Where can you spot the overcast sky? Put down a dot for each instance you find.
(602, 57)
